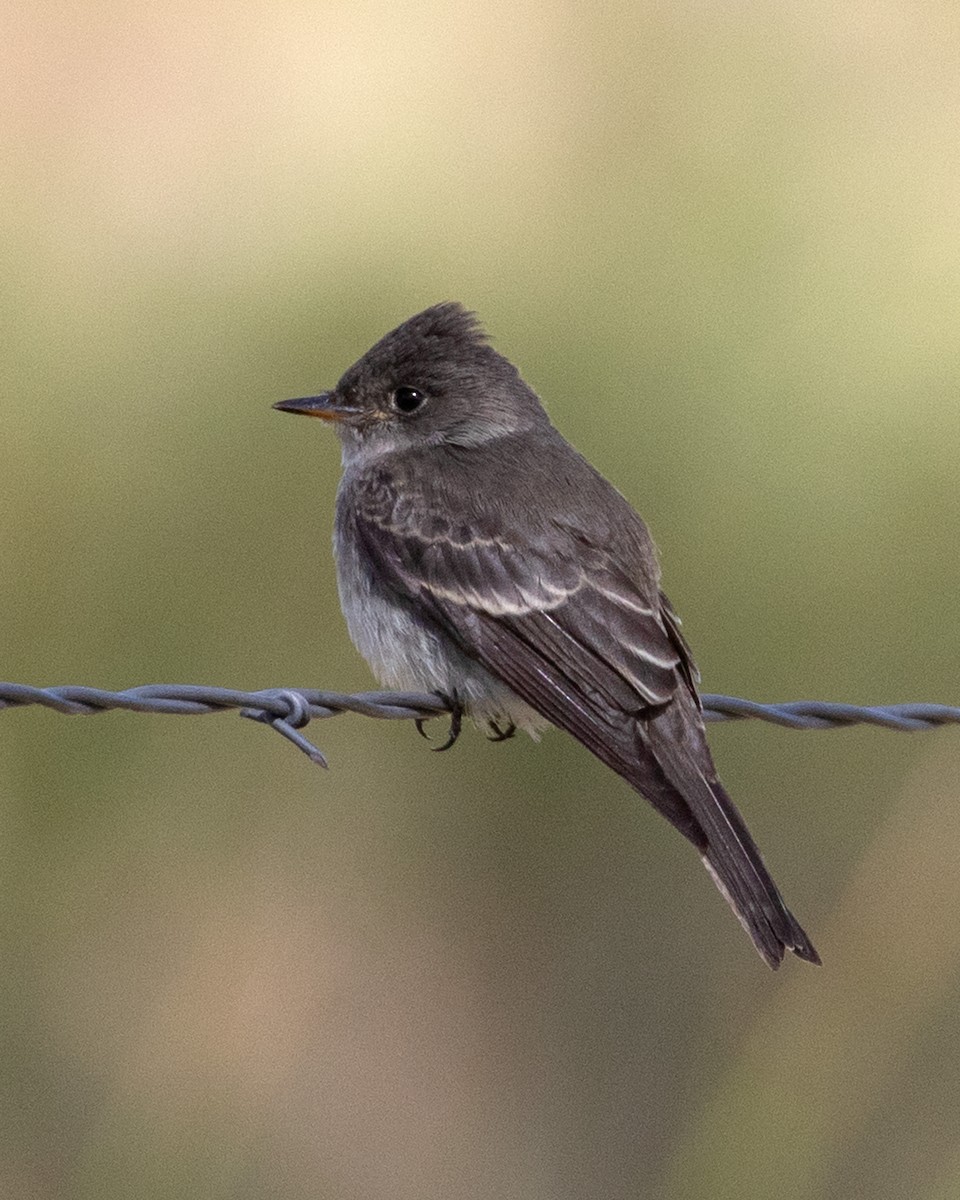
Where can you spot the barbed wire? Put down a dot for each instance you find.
(288, 710)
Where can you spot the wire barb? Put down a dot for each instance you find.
(288, 710)
(298, 715)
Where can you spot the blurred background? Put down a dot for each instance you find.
(723, 243)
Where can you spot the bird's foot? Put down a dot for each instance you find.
(497, 734)
(454, 704)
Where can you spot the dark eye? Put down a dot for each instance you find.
(408, 399)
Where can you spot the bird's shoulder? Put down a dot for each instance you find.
(527, 491)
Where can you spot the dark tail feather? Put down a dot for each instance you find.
(665, 757)
(687, 775)
(735, 864)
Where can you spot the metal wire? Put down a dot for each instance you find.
(288, 710)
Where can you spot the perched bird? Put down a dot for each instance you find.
(479, 556)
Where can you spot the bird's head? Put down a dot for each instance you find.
(434, 379)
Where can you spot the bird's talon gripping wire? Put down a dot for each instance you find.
(456, 721)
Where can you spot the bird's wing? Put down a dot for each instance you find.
(568, 600)
(586, 644)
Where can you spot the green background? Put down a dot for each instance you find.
(723, 242)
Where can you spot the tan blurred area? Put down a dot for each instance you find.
(723, 243)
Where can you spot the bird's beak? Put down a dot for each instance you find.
(328, 405)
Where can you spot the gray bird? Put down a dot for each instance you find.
(479, 556)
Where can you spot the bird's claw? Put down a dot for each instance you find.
(500, 735)
(456, 722)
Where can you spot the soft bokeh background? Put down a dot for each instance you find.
(723, 242)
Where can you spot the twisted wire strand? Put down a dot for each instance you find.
(288, 710)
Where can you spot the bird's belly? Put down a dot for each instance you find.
(406, 652)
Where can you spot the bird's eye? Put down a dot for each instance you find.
(408, 399)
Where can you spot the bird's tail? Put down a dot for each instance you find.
(664, 756)
(735, 865)
(685, 787)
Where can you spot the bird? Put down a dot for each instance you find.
(479, 556)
